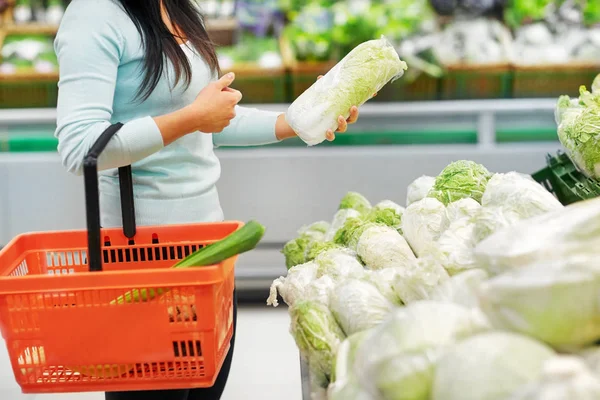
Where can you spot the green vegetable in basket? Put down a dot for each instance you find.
(242, 240)
(579, 129)
(459, 180)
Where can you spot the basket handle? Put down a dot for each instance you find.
(92, 198)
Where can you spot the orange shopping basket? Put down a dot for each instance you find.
(66, 333)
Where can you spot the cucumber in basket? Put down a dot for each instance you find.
(244, 239)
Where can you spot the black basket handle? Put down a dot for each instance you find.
(92, 198)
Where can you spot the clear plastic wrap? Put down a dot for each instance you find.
(561, 234)
(419, 188)
(489, 366)
(563, 377)
(358, 305)
(401, 352)
(520, 194)
(351, 82)
(422, 224)
(554, 301)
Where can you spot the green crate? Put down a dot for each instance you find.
(28, 93)
(565, 181)
(552, 81)
(477, 82)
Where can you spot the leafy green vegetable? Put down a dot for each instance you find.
(489, 366)
(519, 12)
(459, 180)
(317, 335)
(352, 82)
(578, 131)
(355, 201)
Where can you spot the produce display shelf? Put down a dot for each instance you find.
(491, 121)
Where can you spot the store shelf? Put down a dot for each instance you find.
(485, 118)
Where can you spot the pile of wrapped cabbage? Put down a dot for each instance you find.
(483, 287)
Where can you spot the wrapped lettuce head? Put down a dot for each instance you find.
(489, 220)
(489, 366)
(358, 306)
(353, 81)
(462, 289)
(388, 213)
(563, 377)
(339, 262)
(339, 219)
(417, 283)
(579, 131)
(298, 251)
(317, 335)
(397, 359)
(460, 179)
(345, 384)
(555, 302)
(454, 249)
(463, 208)
(558, 235)
(520, 194)
(422, 224)
(292, 287)
(419, 188)
(355, 201)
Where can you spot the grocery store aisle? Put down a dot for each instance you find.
(265, 366)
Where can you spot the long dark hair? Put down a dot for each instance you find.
(160, 44)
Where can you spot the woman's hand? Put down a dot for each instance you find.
(214, 108)
(211, 112)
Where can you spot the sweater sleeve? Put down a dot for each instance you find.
(89, 48)
(250, 127)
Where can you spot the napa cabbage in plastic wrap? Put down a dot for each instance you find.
(317, 335)
(460, 179)
(490, 220)
(419, 188)
(353, 81)
(554, 301)
(578, 131)
(377, 245)
(381, 247)
(417, 283)
(345, 384)
(388, 213)
(422, 224)
(571, 231)
(292, 287)
(489, 366)
(339, 262)
(563, 377)
(297, 251)
(397, 359)
(454, 249)
(358, 306)
(383, 280)
(462, 289)
(319, 290)
(463, 208)
(355, 201)
(520, 194)
(339, 219)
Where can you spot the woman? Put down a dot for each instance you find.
(150, 65)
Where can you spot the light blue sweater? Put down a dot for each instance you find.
(100, 55)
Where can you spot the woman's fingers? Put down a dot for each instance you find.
(330, 135)
(353, 115)
(342, 124)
